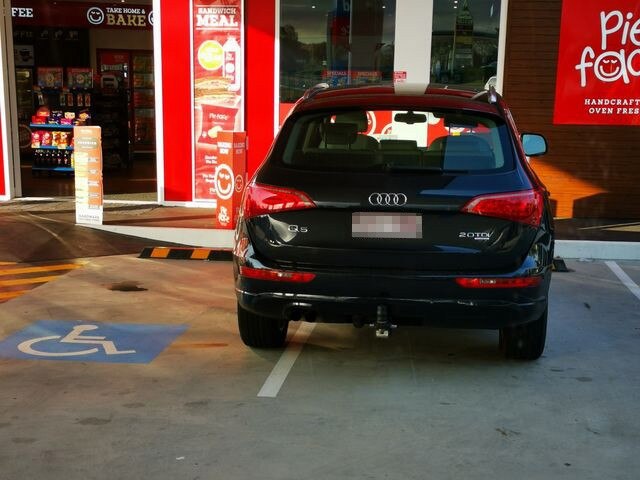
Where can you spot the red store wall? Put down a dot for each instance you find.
(2, 165)
(176, 80)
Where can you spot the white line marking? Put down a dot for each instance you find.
(279, 374)
(598, 227)
(131, 202)
(624, 278)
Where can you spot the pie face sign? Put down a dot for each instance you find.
(598, 75)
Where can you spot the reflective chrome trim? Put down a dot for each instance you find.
(388, 199)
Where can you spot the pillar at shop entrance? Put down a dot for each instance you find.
(230, 177)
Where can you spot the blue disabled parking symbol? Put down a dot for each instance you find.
(90, 341)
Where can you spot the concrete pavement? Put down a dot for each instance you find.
(146, 223)
(425, 403)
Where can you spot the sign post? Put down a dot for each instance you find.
(229, 177)
(88, 175)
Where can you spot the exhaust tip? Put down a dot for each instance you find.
(298, 311)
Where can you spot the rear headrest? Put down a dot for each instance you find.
(466, 144)
(359, 118)
(340, 133)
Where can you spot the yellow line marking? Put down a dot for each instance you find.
(200, 253)
(7, 263)
(160, 252)
(10, 295)
(27, 281)
(46, 268)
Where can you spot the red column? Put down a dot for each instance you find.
(176, 83)
(2, 164)
(176, 99)
(260, 79)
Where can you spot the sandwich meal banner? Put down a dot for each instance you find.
(218, 71)
(598, 75)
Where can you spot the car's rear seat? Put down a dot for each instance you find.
(463, 152)
(342, 146)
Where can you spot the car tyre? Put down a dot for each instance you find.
(261, 332)
(525, 342)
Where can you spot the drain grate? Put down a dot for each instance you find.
(126, 287)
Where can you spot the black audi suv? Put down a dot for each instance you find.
(378, 207)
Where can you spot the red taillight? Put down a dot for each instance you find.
(276, 275)
(265, 199)
(484, 282)
(523, 207)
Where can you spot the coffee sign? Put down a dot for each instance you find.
(598, 74)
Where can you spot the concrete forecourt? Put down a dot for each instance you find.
(133, 368)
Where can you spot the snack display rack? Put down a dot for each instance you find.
(60, 108)
(52, 158)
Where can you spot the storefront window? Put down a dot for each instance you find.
(85, 63)
(465, 42)
(340, 42)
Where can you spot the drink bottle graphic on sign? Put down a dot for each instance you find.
(231, 69)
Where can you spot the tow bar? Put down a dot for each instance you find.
(383, 325)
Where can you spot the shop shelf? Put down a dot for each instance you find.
(48, 147)
(54, 169)
(51, 125)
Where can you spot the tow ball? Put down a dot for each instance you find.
(383, 325)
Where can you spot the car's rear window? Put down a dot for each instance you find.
(386, 140)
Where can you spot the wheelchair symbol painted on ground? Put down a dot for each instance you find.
(74, 336)
(78, 341)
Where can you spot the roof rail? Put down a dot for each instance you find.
(491, 94)
(310, 93)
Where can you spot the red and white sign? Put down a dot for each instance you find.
(399, 77)
(598, 76)
(229, 177)
(218, 71)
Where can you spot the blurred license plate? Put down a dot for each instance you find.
(386, 225)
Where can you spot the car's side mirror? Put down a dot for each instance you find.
(534, 145)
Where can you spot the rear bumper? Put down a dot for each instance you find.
(417, 300)
(450, 313)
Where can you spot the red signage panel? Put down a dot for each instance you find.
(176, 183)
(218, 71)
(2, 165)
(598, 75)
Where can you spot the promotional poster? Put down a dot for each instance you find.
(598, 76)
(218, 71)
(88, 175)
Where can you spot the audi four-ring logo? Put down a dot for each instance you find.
(388, 199)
